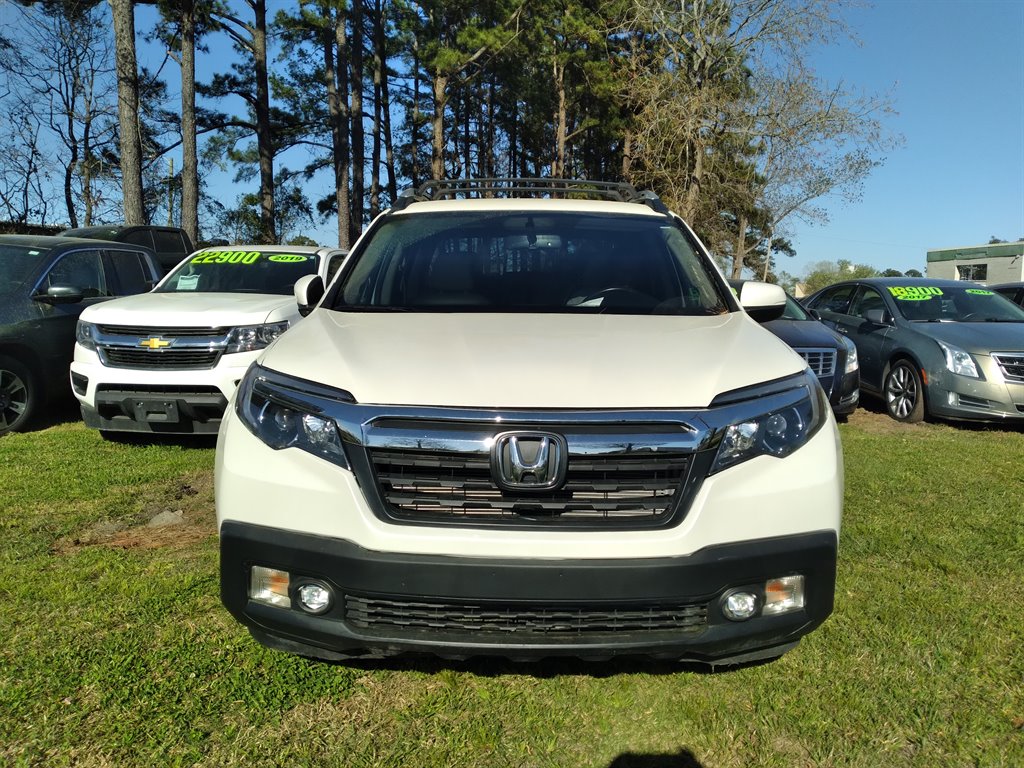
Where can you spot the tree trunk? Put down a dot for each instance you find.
(358, 148)
(558, 164)
(189, 153)
(378, 78)
(264, 129)
(337, 105)
(437, 125)
(740, 249)
(128, 109)
(385, 99)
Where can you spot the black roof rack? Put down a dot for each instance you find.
(444, 189)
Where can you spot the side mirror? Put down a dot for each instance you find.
(763, 301)
(815, 314)
(309, 289)
(61, 294)
(877, 316)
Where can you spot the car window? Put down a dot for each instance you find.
(529, 262)
(868, 298)
(969, 303)
(835, 299)
(169, 242)
(18, 263)
(79, 269)
(139, 237)
(130, 273)
(336, 260)
(234, 271)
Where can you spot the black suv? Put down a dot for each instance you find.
(45, 283)
(170, 244)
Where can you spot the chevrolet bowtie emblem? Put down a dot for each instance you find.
(154, 343)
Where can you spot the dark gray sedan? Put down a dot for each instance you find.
(945, 348)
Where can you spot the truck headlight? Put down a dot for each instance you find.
(776, 432)
(958, 361)
(276, 416)
(247, 338)
(85, 334)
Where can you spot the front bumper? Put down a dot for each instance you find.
(525, 608)
(155, 400)
(992, 398)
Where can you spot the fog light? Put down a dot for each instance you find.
(269, 586)
(783, 595)
(79, 383)
(314, 598)
(739, 605)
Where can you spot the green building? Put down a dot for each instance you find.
(994, 263)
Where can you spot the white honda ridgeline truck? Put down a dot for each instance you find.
(167, 361)
(530, 419)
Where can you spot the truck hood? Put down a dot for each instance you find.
(193, 309)
(978, 338)
(532, 360)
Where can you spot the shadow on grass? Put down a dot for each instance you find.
(541, 668)
(684, 758)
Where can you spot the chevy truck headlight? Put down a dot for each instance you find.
(777, 432)
(958, 361)
(852, 362)
(279, 419)
(247, 338)
(85, 334)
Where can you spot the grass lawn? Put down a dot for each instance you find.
(115, 651)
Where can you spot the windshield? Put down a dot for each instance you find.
(236, 271)
(17, 262)
(529, 262)
(970, 303)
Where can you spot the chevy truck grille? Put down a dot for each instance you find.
(179, 360)
(425, 485)
(145, 331)
(420, 617)
(1011, 364)
(821, 361)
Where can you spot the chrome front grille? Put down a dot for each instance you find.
(145, 331)
(423, 617)
(1011, 364)
(167, 359)
(821, 361)
(615, 487)
(168, 348)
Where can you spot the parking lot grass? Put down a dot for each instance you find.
(116, 650)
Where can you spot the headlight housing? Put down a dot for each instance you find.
(85, 334)
(778, 430)
(277, 415)
(959, 361)
(852, 361)
(247, 338)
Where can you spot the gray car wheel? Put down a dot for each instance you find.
(17, 395)
(904, 394)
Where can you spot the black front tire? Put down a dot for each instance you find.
(904, 393)
(19, 395)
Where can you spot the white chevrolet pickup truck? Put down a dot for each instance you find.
(527, 419)
(168, 361)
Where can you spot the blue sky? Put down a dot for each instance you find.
(955, 71)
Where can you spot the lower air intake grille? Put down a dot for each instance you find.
(398, 617)
(627, 488)
(186, 359)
